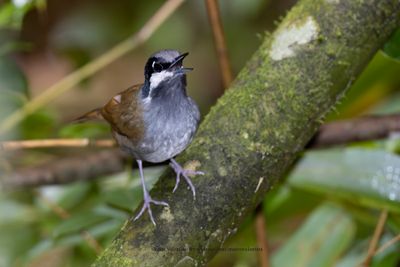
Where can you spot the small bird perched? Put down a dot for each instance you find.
(154, 121)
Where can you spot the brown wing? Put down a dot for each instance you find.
(93, 115)
(123, 112)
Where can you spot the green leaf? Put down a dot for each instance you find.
(7, 12)
(103, 229)
(106, 228)
(375, 84)
(392, 47)
(389, 105)
(39, 248)
(39, 124)
(12, 211)
(363, 176)
(123, 198)
(276, 198)
(84, 130)
(387, 258)
(9, 102)
(286, 202)
(325, 235)
(16, 239)
(74, 194)
(354, 258)
(393, 145)
(11, 77)
(13, 91)
(78, 222)
(12, 14)
(394, 222)
(72, 239)
(123, 179)
(119, 192)
(112, 212)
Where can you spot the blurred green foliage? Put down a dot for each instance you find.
(30, 228)
(14, 89)
(323, 214)
(13, 95)
(369, 177)
(392, 47)
(322, 238)
(12, 13)
(85, 130)
(12, 79)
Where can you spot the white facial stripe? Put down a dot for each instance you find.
(157, 77)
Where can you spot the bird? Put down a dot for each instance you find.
(154, 121)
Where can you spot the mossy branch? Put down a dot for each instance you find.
(255, 132)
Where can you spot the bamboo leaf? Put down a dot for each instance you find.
(392, 47)
(78, 222)
(365, 176)
(324, 236)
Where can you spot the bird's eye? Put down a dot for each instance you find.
(157, 67)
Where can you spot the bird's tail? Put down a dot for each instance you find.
(94, 115)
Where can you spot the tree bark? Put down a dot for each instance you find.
(257, 129)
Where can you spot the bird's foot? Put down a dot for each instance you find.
(146, 205)
(180, 171)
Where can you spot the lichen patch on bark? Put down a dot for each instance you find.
(289, 36)
(167, 215)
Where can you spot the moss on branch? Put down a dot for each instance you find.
(254, 133)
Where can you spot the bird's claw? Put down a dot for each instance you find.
(146, 205)
(185, 173)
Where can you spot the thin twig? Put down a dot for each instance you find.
(56, 209)
(220, 43)
(92, 242)
(92, 67)
(67, 170)
(359, 129)
(63, 214)
(388, 244)
(375, 238)
(262, 237)
(46, 143)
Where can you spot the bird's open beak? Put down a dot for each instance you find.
(178, 60)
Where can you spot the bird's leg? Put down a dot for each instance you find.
(146, 197)
(185, 173)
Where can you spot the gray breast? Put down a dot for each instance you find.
(170, 127)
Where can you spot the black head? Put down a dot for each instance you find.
(164, 65)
